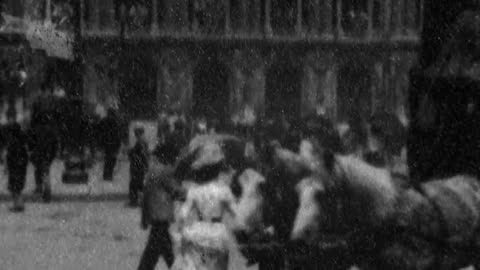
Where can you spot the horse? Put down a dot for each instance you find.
(386, 224)
(265, 237)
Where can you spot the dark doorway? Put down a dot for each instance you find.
(210, 94)
(138, 95)
(354, 98)
(283, 90)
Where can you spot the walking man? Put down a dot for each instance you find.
(138, 157)
(161, 190)
(43, 148)
(110, 141)
(17, 161)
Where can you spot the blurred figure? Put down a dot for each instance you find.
(43, 149)
(110, 140)
(201, 126)
(164, 151)
(158, 211)
(40, 105)
(17, 161)
(138, 157)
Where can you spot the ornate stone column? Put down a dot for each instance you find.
(387, 18)
(299, 24)
(82, 17)
(96, 15)
(398, 22)
(370, 30)
(48, 12)
(228, 28)
(268, 25)
(257, 9)
(155, 27)
(326, 14)
(339, 29)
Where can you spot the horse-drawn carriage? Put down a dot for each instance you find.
(384, 222)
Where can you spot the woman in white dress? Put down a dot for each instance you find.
(205, 239)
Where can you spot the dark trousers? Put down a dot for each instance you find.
(136, 186)
(43, 184)
(109, 165)
(159, 243)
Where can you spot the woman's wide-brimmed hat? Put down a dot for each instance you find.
(213, 152)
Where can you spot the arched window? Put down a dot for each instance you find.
(412, 16)
(283, 16)
(209, 16)
(313, 14)
(14, 7)
(175, 14)
(210, 98)
(354, 17)
(138, 15)
(245, 15)
(106, 14)
(354, 96)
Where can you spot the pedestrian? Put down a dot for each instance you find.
(201, 126)
(43, 146)
(138, 157)
(40, 105)
(17, 161)
(161, 190)
(164, 151)
(110, 141)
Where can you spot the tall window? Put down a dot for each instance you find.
(245, 15)
(176, 14)
(90, 7)
(378, 15)
(62, 14)
(14, 7)
(35, 9)
(106, 14)
(412, 15)
(138, 15)
(283, 16)
(209, 16)
(354, 17)
(312, 17)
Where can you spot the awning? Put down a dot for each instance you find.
(41, 36)
(55, 43)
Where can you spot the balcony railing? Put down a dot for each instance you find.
(367, 20)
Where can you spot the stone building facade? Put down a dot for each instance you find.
(276, 56)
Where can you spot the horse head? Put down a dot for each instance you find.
(274, 195)
(342, 194)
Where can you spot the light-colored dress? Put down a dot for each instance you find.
(205, 239)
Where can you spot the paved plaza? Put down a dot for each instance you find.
(86, 227)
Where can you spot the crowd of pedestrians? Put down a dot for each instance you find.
(57, 127)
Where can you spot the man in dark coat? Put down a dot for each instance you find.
(161, 191)
(17, 161)
(110, 141)
(43, 149)
(170, 143)
(138, 157)
(41, 105)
